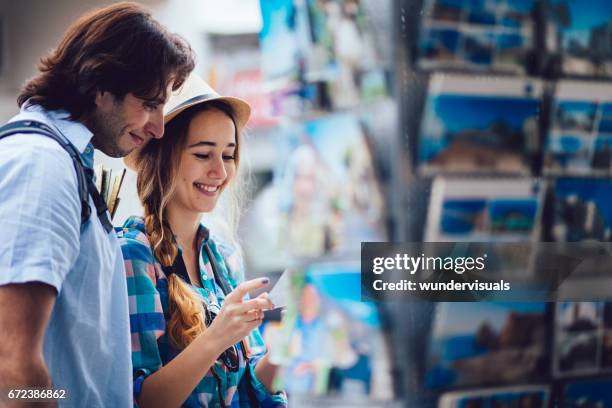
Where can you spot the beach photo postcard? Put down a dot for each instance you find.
(335, 343)
(523, 396)
(580, 138)
(483, 210)
(479, 125)
(587, 393)
(480, 35)
(578, 34)
(470, 341)
(581, 210)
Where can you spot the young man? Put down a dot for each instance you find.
(63, 297)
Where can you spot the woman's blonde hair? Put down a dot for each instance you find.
(157, 168)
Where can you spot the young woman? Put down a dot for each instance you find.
(195, 337)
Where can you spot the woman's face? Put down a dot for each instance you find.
(207, 162)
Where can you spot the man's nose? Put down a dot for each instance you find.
(155, 125)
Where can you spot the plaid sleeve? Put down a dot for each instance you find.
(265, 398)
(147, 321)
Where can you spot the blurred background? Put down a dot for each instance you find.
(401, 120)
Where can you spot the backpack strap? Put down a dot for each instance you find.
(85, 181)
(101, 208)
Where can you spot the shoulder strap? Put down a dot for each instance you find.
(225, 287)
(85, 183)
(178, 267)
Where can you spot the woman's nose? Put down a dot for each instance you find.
(218, 168)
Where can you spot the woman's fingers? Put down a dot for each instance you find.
(254, 314)
(250, 308)
(261, 302)
(244, 288)
(241, 317)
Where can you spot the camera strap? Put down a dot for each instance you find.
(178, 267)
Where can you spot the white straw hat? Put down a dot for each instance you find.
(195, 91)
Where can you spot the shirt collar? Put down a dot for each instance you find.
(75, 132)
(136, 222)
(202, 236)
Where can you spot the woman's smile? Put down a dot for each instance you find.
(206, 189)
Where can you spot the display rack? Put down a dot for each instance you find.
(468, 41)
(330, 178)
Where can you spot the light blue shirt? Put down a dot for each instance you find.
(87, 343)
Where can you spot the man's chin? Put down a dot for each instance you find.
(118, 152)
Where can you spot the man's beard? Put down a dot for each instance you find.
(107, 129)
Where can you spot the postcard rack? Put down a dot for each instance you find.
(504, 103)
(328, 73)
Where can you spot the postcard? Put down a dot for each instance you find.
(587, 393)
(492, 36)
(471, 341)
(581, 210)
(579, 34)
(578, 337)
(279, 40)
(479, 125)
(524, 396)
(575, 153)
(583, 338)
(280, 293)
(328, 195)
(580, 137)
(340, 51)
(334, 341)
(482, 210)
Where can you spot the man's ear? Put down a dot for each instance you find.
(103, 100)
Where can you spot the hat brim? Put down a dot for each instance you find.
(241, 108)
(242, 112)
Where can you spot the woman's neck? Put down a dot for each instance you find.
(184, 225)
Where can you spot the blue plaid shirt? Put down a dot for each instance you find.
(148, 300)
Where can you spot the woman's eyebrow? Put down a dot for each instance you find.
(205, 143)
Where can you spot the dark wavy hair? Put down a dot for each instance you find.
(119, 49)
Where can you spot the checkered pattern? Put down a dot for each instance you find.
(148, 301)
